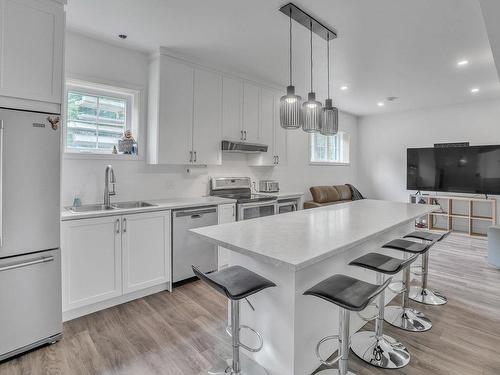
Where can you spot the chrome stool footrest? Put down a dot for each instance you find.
(397, 287)
(259, 337)
(370, 318)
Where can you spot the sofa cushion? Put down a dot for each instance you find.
(344, 192)
(324, 194)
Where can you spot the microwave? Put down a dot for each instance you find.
(269, 186)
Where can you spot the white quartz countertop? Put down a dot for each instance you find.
(159, 205)
(302, 238)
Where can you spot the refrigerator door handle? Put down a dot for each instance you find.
(26, 264)
(1, 183)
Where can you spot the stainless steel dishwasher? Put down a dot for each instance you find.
(188, 250)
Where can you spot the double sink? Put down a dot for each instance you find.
(103, 207)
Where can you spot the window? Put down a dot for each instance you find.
(332, 149)
(97, 117)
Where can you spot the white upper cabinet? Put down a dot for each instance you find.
(193, 108)
(207, 129)
(31, 53)
(185, 113)
(170, 112)
(280, 134)
(251, 105)
(270, 131)
(232, 102)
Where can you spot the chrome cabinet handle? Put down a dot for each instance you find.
(190, 156)
(117, 226)
(278, 159)
(195, 157)
(241, 131)
(1, 182)
(234, 210)
(245, 135)
(26, 264)
(124, 225)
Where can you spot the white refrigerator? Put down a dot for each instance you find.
(30, 261)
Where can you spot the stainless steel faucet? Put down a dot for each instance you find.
(109, 178)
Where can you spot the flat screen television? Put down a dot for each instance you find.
(474, 169)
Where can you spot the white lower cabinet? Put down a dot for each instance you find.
(145, 241)
(106, 261)
(227, 214)
(91, 261)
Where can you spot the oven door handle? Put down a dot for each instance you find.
(258, 204)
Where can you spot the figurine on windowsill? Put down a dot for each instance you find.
(127, 145)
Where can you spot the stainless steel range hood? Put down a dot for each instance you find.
(243, 147)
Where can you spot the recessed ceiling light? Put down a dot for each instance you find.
(463, 62)
(343, 88)
(380, 104)
(475, 90)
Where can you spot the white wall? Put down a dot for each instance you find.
(383, 140)
(94, 60)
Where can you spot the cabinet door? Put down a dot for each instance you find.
(207, 124)
(232, 100)
(175, 106)
(31, 49)
(266, 131)
(227, 214)
(146, 250)
(280, 134)
(91, 261)
(251, 94)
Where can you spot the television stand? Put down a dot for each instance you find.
(459, 214)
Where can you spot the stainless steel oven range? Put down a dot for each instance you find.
(248, 206)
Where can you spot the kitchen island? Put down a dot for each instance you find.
(297, 250)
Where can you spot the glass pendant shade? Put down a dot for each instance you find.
(311, 114)
(290, 113)
(329, 119)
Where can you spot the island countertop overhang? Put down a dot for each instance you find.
(299, 239)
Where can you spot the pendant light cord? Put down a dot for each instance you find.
(290, 46)
(328, 62)
(311, 43)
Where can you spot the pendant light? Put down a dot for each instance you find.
(311, 110)
(329, 113)
(290, 113)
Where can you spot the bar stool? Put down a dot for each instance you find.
(404, 316)
(422, 293)
(349, 294)
(374, 347)
(236, 283)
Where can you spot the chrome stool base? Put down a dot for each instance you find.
(407, 319)
(248, 367)
(333, 372)
(427, 296)
(384, 352)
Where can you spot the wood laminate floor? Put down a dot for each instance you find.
(182, 332)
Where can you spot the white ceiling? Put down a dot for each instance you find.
(403, 48)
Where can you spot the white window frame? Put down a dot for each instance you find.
(344, 143)
(131, 95)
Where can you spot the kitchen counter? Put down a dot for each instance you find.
(296, 250)
(299, 239)
(160, 205)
